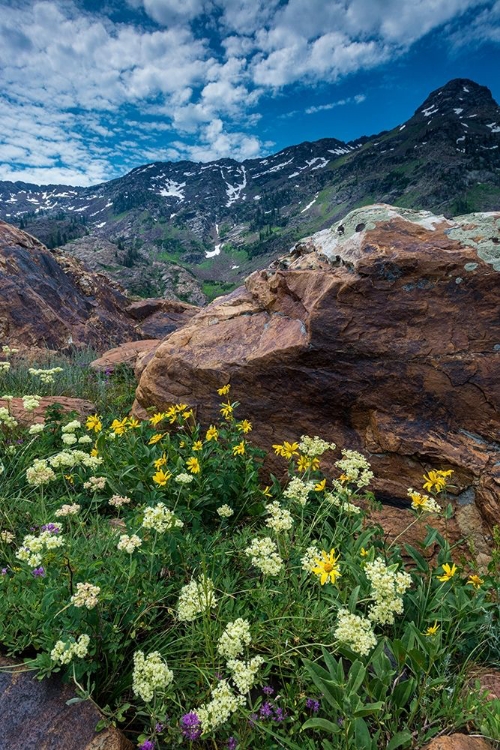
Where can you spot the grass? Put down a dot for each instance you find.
(201, 603)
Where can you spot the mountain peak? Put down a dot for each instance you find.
(459, 93)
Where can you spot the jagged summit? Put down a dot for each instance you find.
(459, 96)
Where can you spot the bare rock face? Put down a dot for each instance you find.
(126, 354)
(380, 334)
(159, 317)
(79, 405)
(458, 742)
(35, 716)
(50, 300)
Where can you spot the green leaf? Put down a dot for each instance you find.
(399, 739)
(420, 561)
(362, 735)
(402, 691)
(357, 674)
(328, 726)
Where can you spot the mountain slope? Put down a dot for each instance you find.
(175, 227)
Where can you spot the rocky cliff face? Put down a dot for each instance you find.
(49, 299)
(380, 334)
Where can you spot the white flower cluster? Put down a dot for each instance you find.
(313, 447)
(224, 703)
(355, 467)
(69, 439)
(195, 597)
(46, 376)
(95, 484)
(64, 652)
(244, 672)
(4, 367)
(150, 673)
(344, 505)
(30, 403)
(281, 519)
(161, 519)
(84, 440)
(225, 511)
(129, 543)
(6, 418)
(298, 490)
(355, 631)
(118, 500)
(68, 510)
(184, 478)
(39, 473)
(310, 558)
(70, 459)
(33, 547)
(86, 595)
(387, 588)
(234, 638)
(423, 502)
(264, 556)
(36, 429)
(71, 426)
(6, 536)
(8, 350)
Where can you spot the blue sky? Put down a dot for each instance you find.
(90, 89)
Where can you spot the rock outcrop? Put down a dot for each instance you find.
(48, 299)
(15, 406)
(458, 742)
(380, 334)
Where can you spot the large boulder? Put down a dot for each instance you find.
(380, 334)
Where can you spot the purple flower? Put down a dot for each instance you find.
(3, 571)
(191, 726)
(312, 704)
(38, 572)
(268, 690)
(266, 710)
(232, 743)
(51, 527)
(159, 728)
(253, 719)
(147, 745)
(279, 715)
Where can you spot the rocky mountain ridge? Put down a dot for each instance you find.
(193, 230)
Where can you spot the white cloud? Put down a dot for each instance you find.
(358, 99)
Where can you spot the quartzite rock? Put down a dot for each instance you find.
(126, 354)
(458, 742)
(79, 405)
(380, 334)
(34, 715)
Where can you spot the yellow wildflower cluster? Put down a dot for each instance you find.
(435, 481)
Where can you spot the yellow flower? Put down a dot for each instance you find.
(158, 436)
(432, 630)
(133, 423)
(212, 433)
(193, 465)
(287, 450)
(94, 423)
(239, 450)
(364, 552)
(161, 477)
(267, 491)
(197, 445)
(244, 426)
(475, 581)
(119, 427)
(224, 390)
(160, 462)
(227, 410)
(171, 414)
(306, 462)
(187, 414)
(157, 418)
(436, 479)
(94, 452)
(320, 486)
(180, 407)
(344, 478)
(449, 572)
(69, 478)
(327, 568)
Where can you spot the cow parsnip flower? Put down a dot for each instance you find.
(327, 567)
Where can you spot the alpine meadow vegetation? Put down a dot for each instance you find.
(201, 603)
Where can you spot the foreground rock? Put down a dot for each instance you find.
(126, 354)
(50, 300)
(35, 716)
(79, 405)
(380, 334)
(458, 742)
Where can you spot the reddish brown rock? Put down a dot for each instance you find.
(126, 354)
(34, 715)
(159, 317)
(50, 300)
(380, 334)
(80, 406)
(458, 742)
